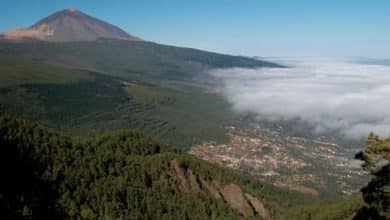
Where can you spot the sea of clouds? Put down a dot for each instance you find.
(352, 98)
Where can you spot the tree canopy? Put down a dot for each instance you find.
(376, 157)
(120, 175)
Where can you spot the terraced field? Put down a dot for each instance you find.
(86, 88)
(95, 103)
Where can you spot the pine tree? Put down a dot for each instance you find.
(376, 194)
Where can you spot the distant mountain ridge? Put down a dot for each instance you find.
(67, 26)
(73, 30)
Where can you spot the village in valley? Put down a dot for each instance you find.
(307, 165)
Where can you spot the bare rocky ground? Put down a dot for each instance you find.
(313, 166)
(232, 194)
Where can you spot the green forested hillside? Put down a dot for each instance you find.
(121, 175)
(129, 59)
(87, 88)
(341, 208)
(16, 71)
(99, 103)
(84, 89)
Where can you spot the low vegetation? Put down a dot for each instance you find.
(329, 209)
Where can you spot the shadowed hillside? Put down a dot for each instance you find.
(122, 175)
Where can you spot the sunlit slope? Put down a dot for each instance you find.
(86, 88)
(130, 59)
(96, 103)
(16, 71)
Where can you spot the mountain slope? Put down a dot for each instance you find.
(122, 175)
(126, 58)
(89, 87)
(81, 32)
(158, 88)
(68, 25)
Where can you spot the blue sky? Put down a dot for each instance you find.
(249, 27)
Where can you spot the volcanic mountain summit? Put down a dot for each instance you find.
(68, 25)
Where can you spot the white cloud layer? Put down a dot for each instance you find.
(339, 95)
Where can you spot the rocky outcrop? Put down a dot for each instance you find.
(232, 194)
(234, 197)
(212, 188)
(258, 206)
(178, 176)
